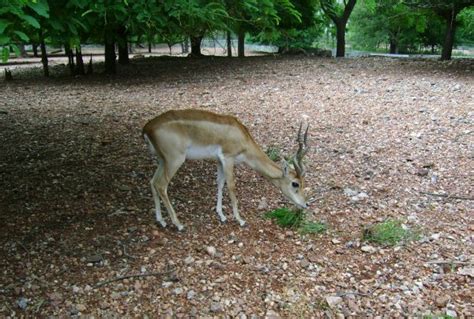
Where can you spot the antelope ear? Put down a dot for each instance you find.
(284, 168)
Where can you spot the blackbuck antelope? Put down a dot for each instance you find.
(177, 135)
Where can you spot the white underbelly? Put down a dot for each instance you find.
(196, 152)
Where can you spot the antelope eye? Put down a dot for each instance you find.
(295, 184)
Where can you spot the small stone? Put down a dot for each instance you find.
(442, 301)
(124, 188)
(166, 284)
(188, 260)
(211, 251)
(466, 271)
(81, 307)
(178, 291)
(352, 305)
(333, 301)
(335, 241)
(95, 259)
(262, 205)
(422, 172)
(350, 192)
(191, 294)
(22, 303)
(305, 264)
(359, 197)
(368, 249)
(271, 314)
(451, 313)
(216, 307)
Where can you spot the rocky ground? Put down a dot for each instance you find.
(390, 139)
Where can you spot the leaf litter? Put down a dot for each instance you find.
(74, 174)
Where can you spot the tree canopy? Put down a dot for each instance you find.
(399, 25)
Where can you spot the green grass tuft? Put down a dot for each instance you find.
(390, 233)
(288, 218)
(313, 228)
(273, 153)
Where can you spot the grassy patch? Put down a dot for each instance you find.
(389, 232)
(313, 228)
(273, 153)
(288, 218)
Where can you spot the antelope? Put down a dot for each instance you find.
(177, 135)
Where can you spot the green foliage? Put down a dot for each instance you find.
(16, 18)
(389, 23)
(298, 27)
(465, 34)
(309, 227)
(273, 153)
(390, 232)
(288, 218)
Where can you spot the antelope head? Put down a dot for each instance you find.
(292, 183)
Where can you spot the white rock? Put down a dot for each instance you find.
(333, 301)
(451, 313)
(335, 241)
(262, 205)
(211, 250)
(188, 260)
(368, 249)
(350, 192)
(190, 295)
(178, 291)
(466, 271)
(216, 307)
(270, 314)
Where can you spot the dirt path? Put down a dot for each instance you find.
(76, 208)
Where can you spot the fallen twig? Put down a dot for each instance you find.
(448, 196)
(106, 282)
(449, 262)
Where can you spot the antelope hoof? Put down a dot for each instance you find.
(242, 223)
(223, 220)
(180, 227)
(162, 223)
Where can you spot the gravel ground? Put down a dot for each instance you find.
(390, 139)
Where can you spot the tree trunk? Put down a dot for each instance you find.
(229, 44)
(393, 46)
(196, 46)
(70, 58)
(110, 57)
(79, 61)
(123, 46)
(341, 39)
(340, 22)
(8, 75)
(185, 46)
(90, 69)
(23, 53)
(241, 44)
(449, 37)
(149, 47)
(35, 49)
(44, 57)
